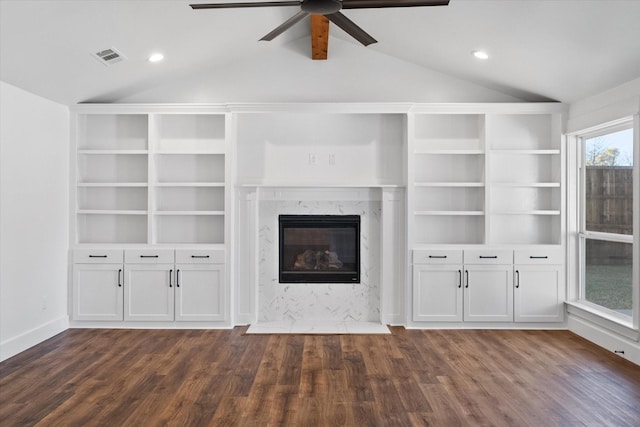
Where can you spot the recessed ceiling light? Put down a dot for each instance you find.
(156, 57)
(480, 54)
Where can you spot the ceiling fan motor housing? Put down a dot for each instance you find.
(321, 7)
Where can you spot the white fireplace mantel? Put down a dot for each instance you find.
(382, 208)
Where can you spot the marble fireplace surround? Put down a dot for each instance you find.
(373, 300)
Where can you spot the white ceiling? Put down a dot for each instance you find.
(562, 50)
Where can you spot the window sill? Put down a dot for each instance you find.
(611, 321)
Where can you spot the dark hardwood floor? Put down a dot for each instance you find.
(86, 377)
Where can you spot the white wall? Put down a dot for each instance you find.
(618, 102)
(34, 231)
(351, 74)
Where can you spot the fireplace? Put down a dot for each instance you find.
(319, 248)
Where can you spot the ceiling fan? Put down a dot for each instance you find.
(323, 11)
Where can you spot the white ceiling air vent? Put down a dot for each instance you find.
(109, 56)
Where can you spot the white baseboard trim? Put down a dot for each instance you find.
(20, 343)
(605, 338)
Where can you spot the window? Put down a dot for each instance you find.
(606, 232)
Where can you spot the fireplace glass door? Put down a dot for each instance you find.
(319, 248)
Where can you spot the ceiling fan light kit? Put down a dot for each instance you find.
(328, 8)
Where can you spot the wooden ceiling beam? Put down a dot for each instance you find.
(319, 37)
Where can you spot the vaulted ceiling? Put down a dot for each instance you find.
(560, 50)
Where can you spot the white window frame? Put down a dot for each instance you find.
(583, 234)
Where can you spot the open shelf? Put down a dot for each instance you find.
(449, 132)
(447, 151)
(523, 132)
(112, 228)
(112, 168)
(525, 229)
(449, 168)
(110, 212)
(113, 132)
(515, 152)
(112, 198)
(453, 213)
(453, 199)
(190, 168)
(189, 199)
(189, 228)
(449, 184)
(191, 133)
(449, 229)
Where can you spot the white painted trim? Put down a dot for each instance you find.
(604, 338)
(488, 325)
(608, 113)
(22, 342)
(320, 193)
(149, 325)
(602, 319)
(326, 107)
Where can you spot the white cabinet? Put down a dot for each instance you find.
(149, 285)
(488, 293)
(437, 285)
(489, 285)
(149, 294)
(456, 285)
(200, 285)
(539, 286)
(97, 285)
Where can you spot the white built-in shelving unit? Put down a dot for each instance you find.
(485, 178)
(447, 178)
(189, 178)
(452, 180)
(151, 178)
(112, 178)
(526, 178)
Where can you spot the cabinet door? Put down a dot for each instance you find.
(148, 292)
(488, 293)
(539, 293)
(200, 292)
(97, 291)
(437, 293)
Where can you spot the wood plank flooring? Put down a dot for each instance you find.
(86, 377)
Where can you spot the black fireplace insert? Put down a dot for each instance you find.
(319, 248)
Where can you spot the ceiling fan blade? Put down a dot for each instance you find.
(372, 4)
(286, 25)
(246, 4)
(351, 28)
